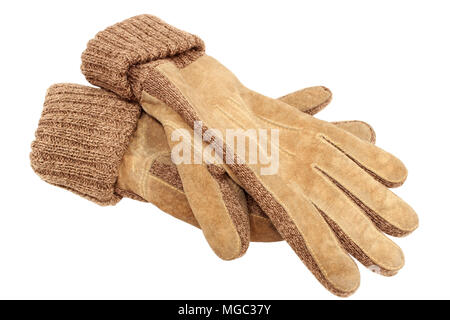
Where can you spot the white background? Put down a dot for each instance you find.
(386, 62)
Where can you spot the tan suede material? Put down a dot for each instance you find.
(149, 146)
(223, 220)
(386, 254)
(309, 100)
(261, 228)
(359, 129)
(288, 229)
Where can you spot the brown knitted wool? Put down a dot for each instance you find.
(113, 52)
(82, 136)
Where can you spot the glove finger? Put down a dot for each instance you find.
(380, 164)
(353, 228)
(309, 100)
(304, 229)
(222, 218)
(360, 129)
(314, 99)
(218, 209)
(390, 213)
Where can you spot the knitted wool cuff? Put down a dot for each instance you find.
(81, 139)
(138, 40)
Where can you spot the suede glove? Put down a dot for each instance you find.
(95, 144)
(329, 196)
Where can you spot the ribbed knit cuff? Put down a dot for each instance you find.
(81, 138)
(138, 40)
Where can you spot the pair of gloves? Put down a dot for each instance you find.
(328, 196)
